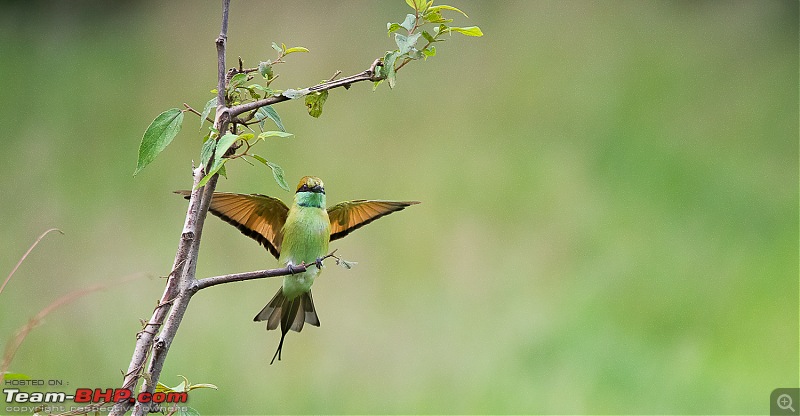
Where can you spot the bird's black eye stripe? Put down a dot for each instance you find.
(316, 189)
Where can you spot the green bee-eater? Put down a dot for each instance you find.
(296, 235)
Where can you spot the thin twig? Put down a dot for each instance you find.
(259, 274)
(367, 75)
(220, 43)
(26, 255)
(190, 109)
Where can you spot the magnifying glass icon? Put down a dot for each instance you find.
(785, 402)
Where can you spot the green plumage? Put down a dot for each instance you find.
(306, 235)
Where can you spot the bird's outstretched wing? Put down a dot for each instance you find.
(349, 216)
(257, 216)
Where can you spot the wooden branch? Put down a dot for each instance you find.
(240, 277)
(367, 75)
(175, 299)
(258, 274)
(221, 42)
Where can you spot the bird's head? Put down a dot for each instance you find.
(311, 184)
(310, 192)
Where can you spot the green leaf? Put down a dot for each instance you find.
(277, 172)
(406, 43)
(388, 67)
(409, 23)
(402, 42)
(293, 93)
(267, 112)
(282, 134)
(273, 115)
(158, 136)
(260, 159)
(202, 386)
(469, 31)
(163, 388)
(315, 101)
(210, 105)
(220, 147)
(436, 17)
(391, 27)
(180, 388)
(420, 5)
(224, 143)
(429, 37)
(265, 69)
(214, 169)
(296, 49)
(276, 47)
(259, 87)
(207, 150)
(437, 9)
(252, 91)
(184, 386)
(429, 51)
(237, 80)
(264, 90)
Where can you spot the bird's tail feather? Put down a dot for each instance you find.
(287, 312)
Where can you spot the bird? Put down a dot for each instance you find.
(296, 235)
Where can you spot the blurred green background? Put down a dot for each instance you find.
(609, 219)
